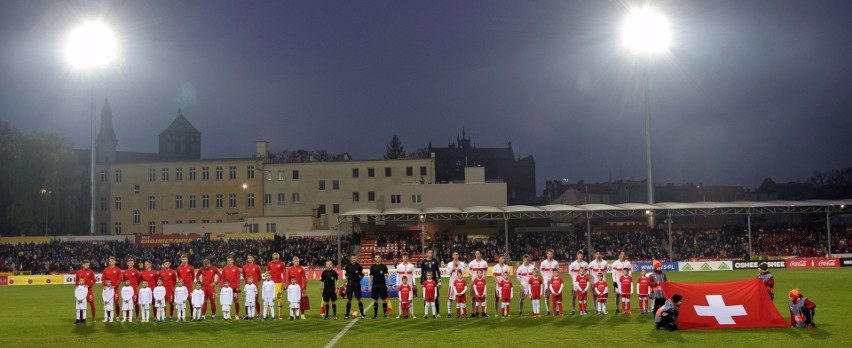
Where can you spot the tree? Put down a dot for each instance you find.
(395, 149)
(422, 152)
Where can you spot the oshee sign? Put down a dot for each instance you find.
(753, 264)
(813, 263)
(705, 266)
(846, 262)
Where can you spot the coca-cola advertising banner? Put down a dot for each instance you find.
(845, 262)
(813, 263)
(754, 264)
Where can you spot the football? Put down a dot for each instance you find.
(354, 315)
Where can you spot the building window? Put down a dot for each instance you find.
(250, 200)
(356, 196)
(191, 201)
(103, 175)
(267, 198)
(423, 171)
(232, 173)
(371, 172)
(321, 210)
(267, 175)
(103, 203)
(356, 172)
(295, 174)
(281, 175)
(205, 173)
(218, 173)
(219, 200)
(191, 173)
(205, 201)
(117, 204)
(117, 228)
(409, 171)
(218, 221)
(295, 197)
(165, 174)
(179, 202)
(152, 174)
(322, 185)
(270, 227)
(178, 222)
(152, 202)
(136, 189)
(416, 199)
(232, 200)
(388, 172)
(371, 196)
(250, 172)
(137, 217)
(118, 175)
(192, 221)
(335, 208)
(396, 199)
(103, 228)
(178, 174)
(205, 221)
(152, 227)
(335, 185)
(281, 198)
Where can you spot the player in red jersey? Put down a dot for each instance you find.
(601, 294)
(405, 292)
(186, 272)
(231, 274)
(430, 294)
(643, 290)
(88, 277)
(506, 295)
(556, 285)
(277, 270)
(297, 272)
(116, 276)
(134, 276)
(581, 289)
(253, 270)
(479, 285)
(208, 274)
(460, 291)
(536, 287)
(150, 275)
(169, 277)
(626, 284)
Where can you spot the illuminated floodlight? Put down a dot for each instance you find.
(647, 31)
(92, 45)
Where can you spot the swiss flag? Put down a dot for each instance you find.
(722, 305)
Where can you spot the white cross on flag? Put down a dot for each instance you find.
(736, 304)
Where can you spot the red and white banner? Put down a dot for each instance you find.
(813, 263)
(724, 305)
(166, 239)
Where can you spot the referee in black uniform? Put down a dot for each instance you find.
(329, 288)
(354, 273)
(431, 264)
(379, 286)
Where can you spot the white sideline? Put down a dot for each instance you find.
(347, 327)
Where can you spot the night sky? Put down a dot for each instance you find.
(749, 89)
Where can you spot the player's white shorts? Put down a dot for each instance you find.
(295, 305)
(109, 305)
(145, 307)
(81, 306)
(525, 290)
(269, 302)
(180, 305)
(126, 306)
(250, 302)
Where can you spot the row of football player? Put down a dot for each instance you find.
(158, 297)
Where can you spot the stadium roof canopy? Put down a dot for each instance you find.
(561, 211)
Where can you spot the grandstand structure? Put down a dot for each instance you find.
(559, 212)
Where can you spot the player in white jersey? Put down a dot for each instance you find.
(456, 270)
(406, 269)
(618, 267)
(108, 295)
(598, 266)
(181, 296)
(499, 272)
(250, 293)
(574, 270)
(524, 273)
(547, 266)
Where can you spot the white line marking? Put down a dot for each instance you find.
(347, 327)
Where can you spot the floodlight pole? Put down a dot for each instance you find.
(828, 227)
(506, 236)
(589, 234)
(671, 248)
(649, 164)
(92, 163)
(749, 235)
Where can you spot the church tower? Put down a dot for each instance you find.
(106, 141)
(180, 140)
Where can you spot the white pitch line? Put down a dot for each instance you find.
(347, 327)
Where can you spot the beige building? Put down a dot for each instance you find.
(473, 192)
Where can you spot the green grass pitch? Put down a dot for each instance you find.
(42, 316)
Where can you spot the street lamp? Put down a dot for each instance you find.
(90, 47)
(245, 210)
(646, 32)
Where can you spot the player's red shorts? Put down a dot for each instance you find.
(507, 300)
(461, 298)
(536, 296)
(479, 299)
(209, 293)
(430, 299)
(601, 298)
(625, 295)
(582, 296)
(557, 298)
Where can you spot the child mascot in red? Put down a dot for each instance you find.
(802, 310)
